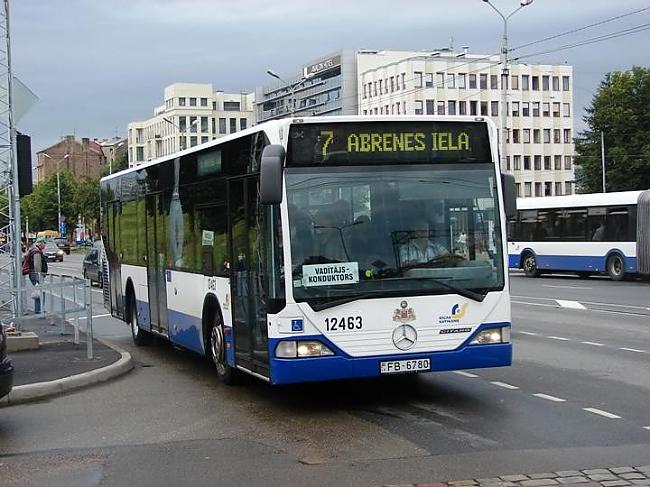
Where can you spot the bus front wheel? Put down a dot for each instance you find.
(616, 267)
(140, 336)
(530, 266)
(217, 352)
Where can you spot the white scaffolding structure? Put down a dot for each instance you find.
(10, 228)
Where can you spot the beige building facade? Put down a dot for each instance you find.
(192, 114)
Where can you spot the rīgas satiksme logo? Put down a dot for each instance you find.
(458, 312)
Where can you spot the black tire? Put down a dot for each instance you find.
(616, 267)
(140, 337)
(216, 351)
(529, 265)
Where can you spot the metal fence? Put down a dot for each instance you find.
(65, 297)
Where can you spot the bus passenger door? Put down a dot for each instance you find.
(114, 258)
(247, 275)
(156, 252)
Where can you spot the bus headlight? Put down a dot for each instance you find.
(301, 349)
(492, 335)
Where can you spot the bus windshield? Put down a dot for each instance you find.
(379, 231)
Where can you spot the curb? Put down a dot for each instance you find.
(42, 390)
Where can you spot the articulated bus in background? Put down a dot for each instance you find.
(585, 233)
(317, 249)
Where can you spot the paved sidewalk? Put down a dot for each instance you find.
(599, 477)
(60, 365)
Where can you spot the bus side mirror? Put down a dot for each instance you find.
(509, 195)
(271, 174)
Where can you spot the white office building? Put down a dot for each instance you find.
(540, 108)
(192, 114)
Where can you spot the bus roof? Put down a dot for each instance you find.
(575, 200)
(274, 125)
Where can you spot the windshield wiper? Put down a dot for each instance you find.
(467, 293)
(339, 301)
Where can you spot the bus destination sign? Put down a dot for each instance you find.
(388, 142)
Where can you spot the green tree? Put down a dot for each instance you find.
(121, 162)
(621, 110)
(41, 207)
(86, 200)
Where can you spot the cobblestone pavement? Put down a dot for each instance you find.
(599, 477)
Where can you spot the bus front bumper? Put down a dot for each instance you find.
(337, 367)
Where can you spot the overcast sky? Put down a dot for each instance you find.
(97, 65)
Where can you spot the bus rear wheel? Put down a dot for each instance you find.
(217, 352)
(140, 336)
(530, 266)
(616, 267)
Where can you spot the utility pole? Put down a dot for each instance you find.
(602, 158)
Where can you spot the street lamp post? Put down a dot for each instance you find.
(504, 76)
(292, 87)
(58, 188)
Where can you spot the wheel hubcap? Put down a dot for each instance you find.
(217, 348)
(617, 265)
(134, 321)
(529, 265)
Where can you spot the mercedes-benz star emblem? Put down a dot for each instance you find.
(404, 337)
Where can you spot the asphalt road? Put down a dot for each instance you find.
(576, 397)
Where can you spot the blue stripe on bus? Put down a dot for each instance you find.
(144, 321)
(185, 330)
(588, 263)
(342, 366)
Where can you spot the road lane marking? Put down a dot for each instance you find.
(566, 287)
(570, 304)
(595, 344)
(646, 428)
(549, 398)
(529, 333)
(535, 304)
(600, 412)
(465, 374)
(632, 350)
(562, 339)
(96, 316)
(504, 385)
(628, 306)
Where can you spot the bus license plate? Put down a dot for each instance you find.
(402, 366)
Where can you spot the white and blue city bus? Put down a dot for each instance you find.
(318, 249)
(583, 233)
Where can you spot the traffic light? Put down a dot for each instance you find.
(24, 157)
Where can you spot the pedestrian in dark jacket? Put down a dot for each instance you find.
(35, 263)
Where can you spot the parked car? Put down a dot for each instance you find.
(52, 252)
(6, 367)
(92, 266)
(63, 243)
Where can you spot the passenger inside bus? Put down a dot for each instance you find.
(419, 247)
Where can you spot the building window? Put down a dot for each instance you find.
(567, 136)
(536, 136)
(365, 91)
(547, 136)
(419, 107)
(462, 108)
(193, 141)
(557, 163)
(243, 124)
(568, 189)
(204, 139)
(538, 162)
(381, 89)
(461, 81)
(504, 82)
(556, 83)
(518, 186)
(494, 108)
(441, 108)
(516, 162)
(515, 136)
(451, 80)
(473, 107)
(222, 125)
(507, 163)
(139, 153)
(535, 80)
(440, 80)
(193, 103)
(556, 136)
(182, 124)
(472, 81)
(546, 82)
(214, 125)
(418, 79)
(525, 86)
(566, 109)
(546, 109)
(526, 136)
(525, 109)
(193, 124)
(451, 107)
(392, 84)
(558, 189)
(430, 107)
(515, 82)
(548, 188)
(565, 83)
(538, 189)
(204, 124)
(233, 125)
(567, 163)
(515, 108)
(494, 82)
(483, 81)
(484, 108)
(528, 189)
(535, 109)
(204, 102)
(181, 102)
(231, 106)
(526, 163)
(547, 163)
(556, 109)
(403, 81)
(214, 106)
